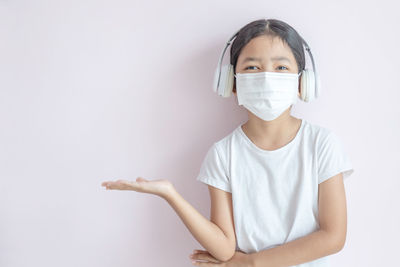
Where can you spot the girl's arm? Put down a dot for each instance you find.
(207, 233)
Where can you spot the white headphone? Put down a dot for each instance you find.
(223, 78)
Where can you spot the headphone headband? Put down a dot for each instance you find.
(222, 54)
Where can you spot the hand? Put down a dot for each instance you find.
(160, 187)
(239, 259)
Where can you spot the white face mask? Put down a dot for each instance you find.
(267, 94)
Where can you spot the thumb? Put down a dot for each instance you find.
(140, 179)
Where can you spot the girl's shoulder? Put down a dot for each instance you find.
(323, 137)
(224, 144)
(316, 131)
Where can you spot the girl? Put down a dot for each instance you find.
(276, 181)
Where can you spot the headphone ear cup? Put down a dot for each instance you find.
(225, 86)
(230, 79)
(215, 83)
(307, 87)
(303, 85)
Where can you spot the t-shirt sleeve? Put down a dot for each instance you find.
(333, 159)
(213, 170)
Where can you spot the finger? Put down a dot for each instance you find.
(205, 264)
(120, 185)
(122, 181)
(106, 185)
(113, 185)
(109, 184)
(141, 179)
(124, 185)
(205, 257)
(128, 183)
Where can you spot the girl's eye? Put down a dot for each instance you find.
(285, 68)
(250, 67)
(279, 67)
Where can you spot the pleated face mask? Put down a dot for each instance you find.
(267, 94)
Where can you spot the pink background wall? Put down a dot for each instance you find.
(105, 90)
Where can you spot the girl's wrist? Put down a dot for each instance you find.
(168, 193)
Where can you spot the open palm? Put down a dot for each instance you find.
(160, 187)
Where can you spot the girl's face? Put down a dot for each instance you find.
(266, 53)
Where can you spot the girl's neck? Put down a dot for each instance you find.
(272, 134)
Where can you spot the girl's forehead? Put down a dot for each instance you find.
(266, 46)
(264, 43)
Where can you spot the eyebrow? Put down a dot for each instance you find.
(259, 59)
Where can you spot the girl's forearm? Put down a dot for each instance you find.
(207, 233)
(301, 250)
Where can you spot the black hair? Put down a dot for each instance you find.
(271, 27)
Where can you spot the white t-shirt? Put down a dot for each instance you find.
(275, 192)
